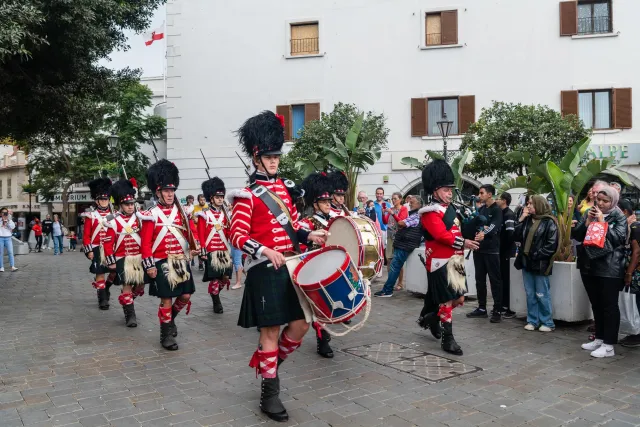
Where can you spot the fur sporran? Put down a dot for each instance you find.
(456, 274)
(178, 271)
(220, 260)
(133, 271)
(103, 257)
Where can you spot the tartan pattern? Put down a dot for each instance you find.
(286, 346)
(160, 287)
(126, 298)
(164, 314)
(96, 263)
(99, 284)
(214, 287)
(269, 298)
(179, 304)
(265, 362)
(439, 291)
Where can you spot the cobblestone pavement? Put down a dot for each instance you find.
(64, 362)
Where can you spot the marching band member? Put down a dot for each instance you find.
(317, 189)
(122, 248)
(213, 232)
(444, 254)
(265, 226)
(168, 240)
(94, 236)
(340, 185)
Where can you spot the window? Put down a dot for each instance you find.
(436, 108)
(594, 108)
(305, 39)
(441, 28)
(594, 16)
(427, 112)
(296, 116)
(8, 188)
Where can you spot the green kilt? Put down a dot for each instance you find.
(212, 273)
(96, 263)
(160, 287)
(269, 298)
(439, 291)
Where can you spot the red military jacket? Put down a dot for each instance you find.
(209, 222)
(124, 238)
(163, 233)
(253, 226)
(441, 243)
(95, 229)
(317, 221)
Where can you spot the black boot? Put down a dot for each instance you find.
(174, 328)
(324, 349)
(107, 295)
(130, 316)
(166, 338)
(217, 304)
(103, 302)
(449, 343)
(432, 322)
(270, 402)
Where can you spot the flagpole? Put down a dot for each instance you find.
(164, 62)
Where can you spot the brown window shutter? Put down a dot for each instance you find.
(418, 117)
(311, 112)
(622, 108)
(568, 18)
(466, 113)
(449, 22)
(569, 102)
(285, 110)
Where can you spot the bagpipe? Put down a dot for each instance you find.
(471, 220)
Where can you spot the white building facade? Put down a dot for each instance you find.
(408, 59)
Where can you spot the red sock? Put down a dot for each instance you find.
(164, 314)
(286, 346)
(265, 362)
(445, 313)
(126, 298)
(214, 287)
(99, 284)
(179, 304)
(138, 291)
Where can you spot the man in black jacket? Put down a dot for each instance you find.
(506, 251)
(47, 228)
(487, 259)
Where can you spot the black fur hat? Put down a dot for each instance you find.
(123, 192)
(213, 187)
(100, 188)
(262, 134)
(437, 174)
(163, 175)
(339, 182)
(317, 186)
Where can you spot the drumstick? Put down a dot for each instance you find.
(296, 256)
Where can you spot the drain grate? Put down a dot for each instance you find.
(415, 362)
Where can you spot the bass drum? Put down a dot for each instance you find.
(362, 241)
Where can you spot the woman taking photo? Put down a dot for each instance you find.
(537, 233)
(391, 217)
(603, 269)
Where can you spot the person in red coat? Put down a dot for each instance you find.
(169, 239)
(444, 254)
(95, 235)
(269, 299)
(122, 248)
(213, 232)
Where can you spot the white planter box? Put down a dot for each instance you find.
(416, 274)
(569, 300)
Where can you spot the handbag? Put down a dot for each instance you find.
(629, 315)
(596, 234)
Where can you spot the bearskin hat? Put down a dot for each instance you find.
(262, 134)
(100, 188)
(122, 191)
(339, 182)
(163, 175)
(213, 187)
(317, 186)
(437, 174)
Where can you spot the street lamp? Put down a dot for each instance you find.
(113, 141)
(445, 127)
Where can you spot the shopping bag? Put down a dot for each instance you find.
(629, 315)
(596, 234)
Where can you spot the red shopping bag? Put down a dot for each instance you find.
(596, 234)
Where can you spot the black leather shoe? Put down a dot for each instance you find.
(217, 304)
(449, 343)
(324, 349)
(270, 402)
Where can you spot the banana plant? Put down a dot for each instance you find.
(457, 165)
(560, 181)
(351, 156)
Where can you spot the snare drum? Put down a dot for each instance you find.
(331, 284)
(362, 240)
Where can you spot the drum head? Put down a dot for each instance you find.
(344, 234)
(321, 266)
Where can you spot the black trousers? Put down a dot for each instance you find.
(488, 265)
(505, 274)
(38, 243)
(603, 295)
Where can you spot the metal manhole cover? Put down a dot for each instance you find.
(415, 362)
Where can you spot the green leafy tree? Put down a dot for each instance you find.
(504, 127)
(50, 52)
(318, 133)
(457, 165)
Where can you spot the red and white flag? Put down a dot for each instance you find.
(157, 34)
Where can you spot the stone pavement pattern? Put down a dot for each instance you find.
(64, 362)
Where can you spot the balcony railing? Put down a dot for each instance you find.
(304, 46)
(594, 25)
(434, 39)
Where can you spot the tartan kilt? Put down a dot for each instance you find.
(96, 263)
(439, 291)
(160, 287)
(281, 304)
(212, 273)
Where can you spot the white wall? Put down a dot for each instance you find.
(226, 62)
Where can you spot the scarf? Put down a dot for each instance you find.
(543, 210)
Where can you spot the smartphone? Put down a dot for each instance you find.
(361, 205)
